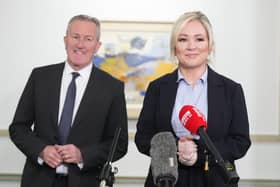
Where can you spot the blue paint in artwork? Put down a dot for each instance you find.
(137, 43)
(134, 59)
(97, 60)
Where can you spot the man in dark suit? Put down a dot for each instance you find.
(99, 109)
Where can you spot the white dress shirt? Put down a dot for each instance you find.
(81, 84)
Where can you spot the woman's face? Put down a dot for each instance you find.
(192, 45)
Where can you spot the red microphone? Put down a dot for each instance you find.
(192, 118)
(194, 121)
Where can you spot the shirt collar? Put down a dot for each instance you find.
(203, 77)
(84, 72)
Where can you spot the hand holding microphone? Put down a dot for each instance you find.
(187, 151)
(194, 121)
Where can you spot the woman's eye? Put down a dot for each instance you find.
(200, 39)
(182, 40)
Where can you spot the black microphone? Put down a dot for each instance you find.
(194, 121)
(106, 176)
(164, 163)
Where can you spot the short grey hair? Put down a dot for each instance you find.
(83, 17)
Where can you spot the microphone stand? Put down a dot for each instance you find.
(166, 181)
(227, 169)
(107, 175)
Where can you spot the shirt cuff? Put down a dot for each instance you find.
(80, 165)
(40, 161)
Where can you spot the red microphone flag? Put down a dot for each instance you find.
(192, 118)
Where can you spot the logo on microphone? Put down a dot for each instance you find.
(187, 115)
(171, 162)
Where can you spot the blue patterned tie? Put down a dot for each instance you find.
(67, 112)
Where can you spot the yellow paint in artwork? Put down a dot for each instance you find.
(162, 69)
(115, 66)
(142, 81)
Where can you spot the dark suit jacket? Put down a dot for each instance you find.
(228, 125)
(101, 111)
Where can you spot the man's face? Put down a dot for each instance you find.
(81, 43)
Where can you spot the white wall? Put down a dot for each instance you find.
(247, 36)
(245, 32)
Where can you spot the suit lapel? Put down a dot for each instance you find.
(168, 90)
(91, 91)
(215, 94)
(55, 94)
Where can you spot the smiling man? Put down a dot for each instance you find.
(68, 113)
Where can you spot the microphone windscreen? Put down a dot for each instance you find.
(163, 154)
(192, 118)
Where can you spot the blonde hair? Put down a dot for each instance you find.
(182, 21)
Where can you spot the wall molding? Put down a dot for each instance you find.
(265, 138)
(8, 177)
(4, 133)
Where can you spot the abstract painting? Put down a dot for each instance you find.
(135, 53)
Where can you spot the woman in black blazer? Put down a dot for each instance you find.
(220, 99)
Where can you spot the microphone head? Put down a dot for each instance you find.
(163, 154)
(192, 118)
